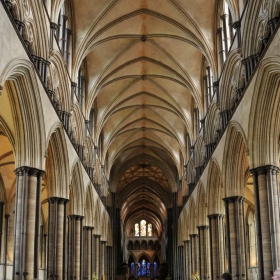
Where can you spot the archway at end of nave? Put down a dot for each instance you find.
(144, 268)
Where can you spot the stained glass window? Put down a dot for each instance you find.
(132, 269)
(143, 268)
(149, 229)
(136, 229)
(155, 269)
(139, 269)
(143, 231)
(148, 269)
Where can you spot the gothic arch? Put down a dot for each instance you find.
(57, 175)
(57, 81)
(201, 206)
(215, 191)
(22, 88)
(235, 161)
(231, 79)
(77, 187)
(89, 206)
(264, 118)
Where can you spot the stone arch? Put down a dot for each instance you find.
(57, 81)
(145, 256)
(250, 24)
(215, 191)
(232, 75)
(89, 152)
(57, 174)
(41, 29)
(97, 216)
(235, 161)
(199, 151)
(77, 189)
(201, 206)
(89, 206)
(264, 121)
(192, 216)
(77, 125)
(212, 124)
(22, 88)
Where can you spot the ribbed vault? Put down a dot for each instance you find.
(144, 65)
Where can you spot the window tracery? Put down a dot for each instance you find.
(143, 229)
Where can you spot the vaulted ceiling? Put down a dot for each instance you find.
(145, 61)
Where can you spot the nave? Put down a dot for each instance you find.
(139, 139)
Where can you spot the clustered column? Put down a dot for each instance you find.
(97, 255)
(216, 245)
(266, 191)
(194, 252)
(75, 223)
(56, 236)
(27, 223)
(102, 266)
(236, 236)
(203, 251)
(87, 255)
(188, 259)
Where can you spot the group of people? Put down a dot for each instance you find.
(276, 275)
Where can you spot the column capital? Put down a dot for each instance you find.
(215, 216)
(97, 235)
(216, 83)
(53, 25)
(103, 242)
(202, 227)
(224, 16)
(186, 241)
(236, 24)
(265, 169)
(219, 30)
(60, 200)
(194, 235)
(232, 199)
(76, 217)
(64, 17)
(89, 228)
(29, 170)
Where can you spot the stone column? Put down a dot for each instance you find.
(203, 252)
(266, 192)
(75, 246)
(236, 236)
(87, 252)
(56, 237)
(188, 259)
(27, 223)
(53, 34)
(97, 255)
(184, 260)
(1, 225)
(194, 252)
(7, 217)
(103, 258)
(217, 263)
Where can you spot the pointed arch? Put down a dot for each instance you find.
(202, 209)
(77, 187)
(20, 82)
(57, 174)
(235, 161)
(264, 120)
(215, 191)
